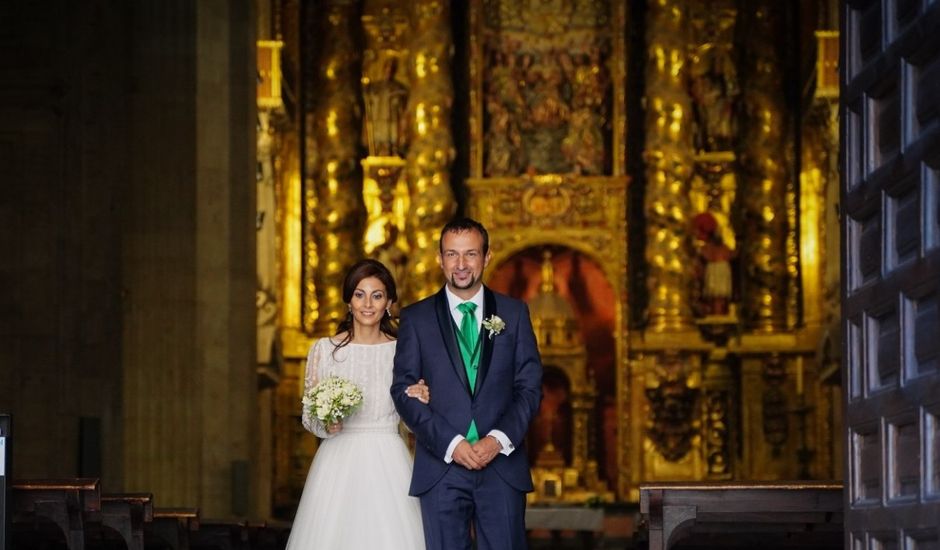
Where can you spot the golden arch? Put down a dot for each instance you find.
(585, 214)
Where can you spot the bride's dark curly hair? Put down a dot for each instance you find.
(364, 269)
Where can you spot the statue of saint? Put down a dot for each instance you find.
(583, 145)
(265, 293)
(714, 84)
(504, 106)
(715, 277)
(385, 122)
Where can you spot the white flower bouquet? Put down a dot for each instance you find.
(332, 400)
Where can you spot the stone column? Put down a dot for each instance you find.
(431, 150)
(669, 160)
(764, 173)
(189, 382)
(336, 205)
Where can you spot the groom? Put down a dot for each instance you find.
(476, 351)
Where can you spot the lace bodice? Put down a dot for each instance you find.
(369, 367)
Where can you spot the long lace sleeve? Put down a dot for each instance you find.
(311, 377)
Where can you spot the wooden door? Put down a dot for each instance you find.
(891, 277)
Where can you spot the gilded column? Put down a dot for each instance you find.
(385, 89)
(669, 159)
(717, 388)
(764, 249)
(335, 205)
(431, 150)
(582, 407)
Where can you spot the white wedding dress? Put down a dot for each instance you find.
(356, 495)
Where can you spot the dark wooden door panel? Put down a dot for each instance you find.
(891, 277)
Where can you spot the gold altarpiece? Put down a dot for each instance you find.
(725, 380)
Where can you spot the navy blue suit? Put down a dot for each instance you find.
(506, 398)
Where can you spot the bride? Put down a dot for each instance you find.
(356, 495)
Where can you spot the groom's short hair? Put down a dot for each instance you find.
(459, 225)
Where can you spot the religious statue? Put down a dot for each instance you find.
(504, 106)
(583, 145)
(503, 141)
(385, 122)
(715, 272)
(714, 83)
(545, 122)
(547, 107)
(266, 261)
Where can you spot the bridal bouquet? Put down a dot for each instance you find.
(332, 400)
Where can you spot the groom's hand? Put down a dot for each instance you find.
(486, 449)
(466, 457)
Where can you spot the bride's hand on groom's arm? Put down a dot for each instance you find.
(419, 391)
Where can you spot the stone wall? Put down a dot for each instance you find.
(128, 245)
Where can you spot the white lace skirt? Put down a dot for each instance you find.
(356, 496)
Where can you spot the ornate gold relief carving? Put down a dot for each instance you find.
(576, 211)
(544, 88)
(550, 201)
(672, 390)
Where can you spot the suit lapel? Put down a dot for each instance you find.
(489, 309)
(446, 323)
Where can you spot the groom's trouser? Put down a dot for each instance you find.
(496, 509)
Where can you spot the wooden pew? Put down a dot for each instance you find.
(126, 515)
(800, 514)
(65, 504)
(268, 535)
(171, 528)
(220, 535)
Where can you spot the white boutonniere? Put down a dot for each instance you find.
(494, 324)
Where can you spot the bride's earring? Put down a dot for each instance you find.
(388, 312)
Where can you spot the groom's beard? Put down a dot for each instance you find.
(469, 284)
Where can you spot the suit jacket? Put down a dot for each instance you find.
(508, 386)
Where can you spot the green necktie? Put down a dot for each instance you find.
(468, 339)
